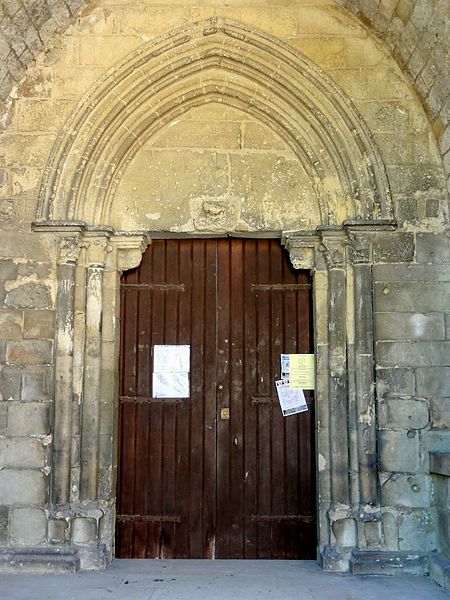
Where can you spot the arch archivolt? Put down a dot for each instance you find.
(214, 61)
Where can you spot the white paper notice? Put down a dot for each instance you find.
(170, 385)
(173, 358)
(291, 401)
(171, 366)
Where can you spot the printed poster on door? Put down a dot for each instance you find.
(171, 366)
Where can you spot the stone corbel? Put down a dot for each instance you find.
(302, 248)
(130, 248)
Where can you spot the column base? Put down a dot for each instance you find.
(440, 569)
(52, 559)
(379, 562)
(335, 558)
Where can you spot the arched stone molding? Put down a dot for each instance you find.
(224, 62)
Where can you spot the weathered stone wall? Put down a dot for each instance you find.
(415, 32)
(413, 349)
(27, 283)
(208, 156)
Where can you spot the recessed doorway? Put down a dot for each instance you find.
(221, 474)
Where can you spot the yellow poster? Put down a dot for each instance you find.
(302, 371)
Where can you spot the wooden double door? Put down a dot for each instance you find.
(221, 474)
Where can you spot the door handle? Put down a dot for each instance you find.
(236, 441)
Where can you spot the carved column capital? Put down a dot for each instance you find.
(98, 246)
(333, 243)
(69, 249)
(360, 247)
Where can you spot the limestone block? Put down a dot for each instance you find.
(29, 418)
(27, 245)
(29, 352)
(433, 248)
(63, 86)
(9, 382)
(330, 53)
(10, 213)
(399, 451)
(390, 530)
(57, 531)
(32, 268)
(406, 490)
(39, 324)
(440, 413)
(401, 413)
(11, 322)
(394, 381)
(354, 82)
(433, 381)
(27, 150)
(37, 383)
(372, 533)
(84, 530)
(2, 351)
(396, 248)
(417, 531)
(420, 354)
(411, 273)
(29, 295)
(4, 525)
(43, 115)
(28, 526)
(326, 20)
(21, 452)
(386, 116)
(8, 269)
(408, 148)
(106, 49)
(434, 440)
(424, 297)
(409, 326)
(22, 486)
(201, 134)
(406, 179)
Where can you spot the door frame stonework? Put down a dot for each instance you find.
(83, 482)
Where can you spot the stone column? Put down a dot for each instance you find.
(89, 451)
(333, 246)
(62, 441)
(364, 368)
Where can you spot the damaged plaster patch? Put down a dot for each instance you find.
(322, 463)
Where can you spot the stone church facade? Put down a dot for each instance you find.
(322, 124)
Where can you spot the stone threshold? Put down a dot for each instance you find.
(57, 559)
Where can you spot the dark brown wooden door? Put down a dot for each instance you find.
(193, 483)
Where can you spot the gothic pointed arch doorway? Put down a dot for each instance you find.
(121, 169)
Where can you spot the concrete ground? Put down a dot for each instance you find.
(215, 580)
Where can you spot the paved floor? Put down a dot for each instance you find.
(215, 580)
